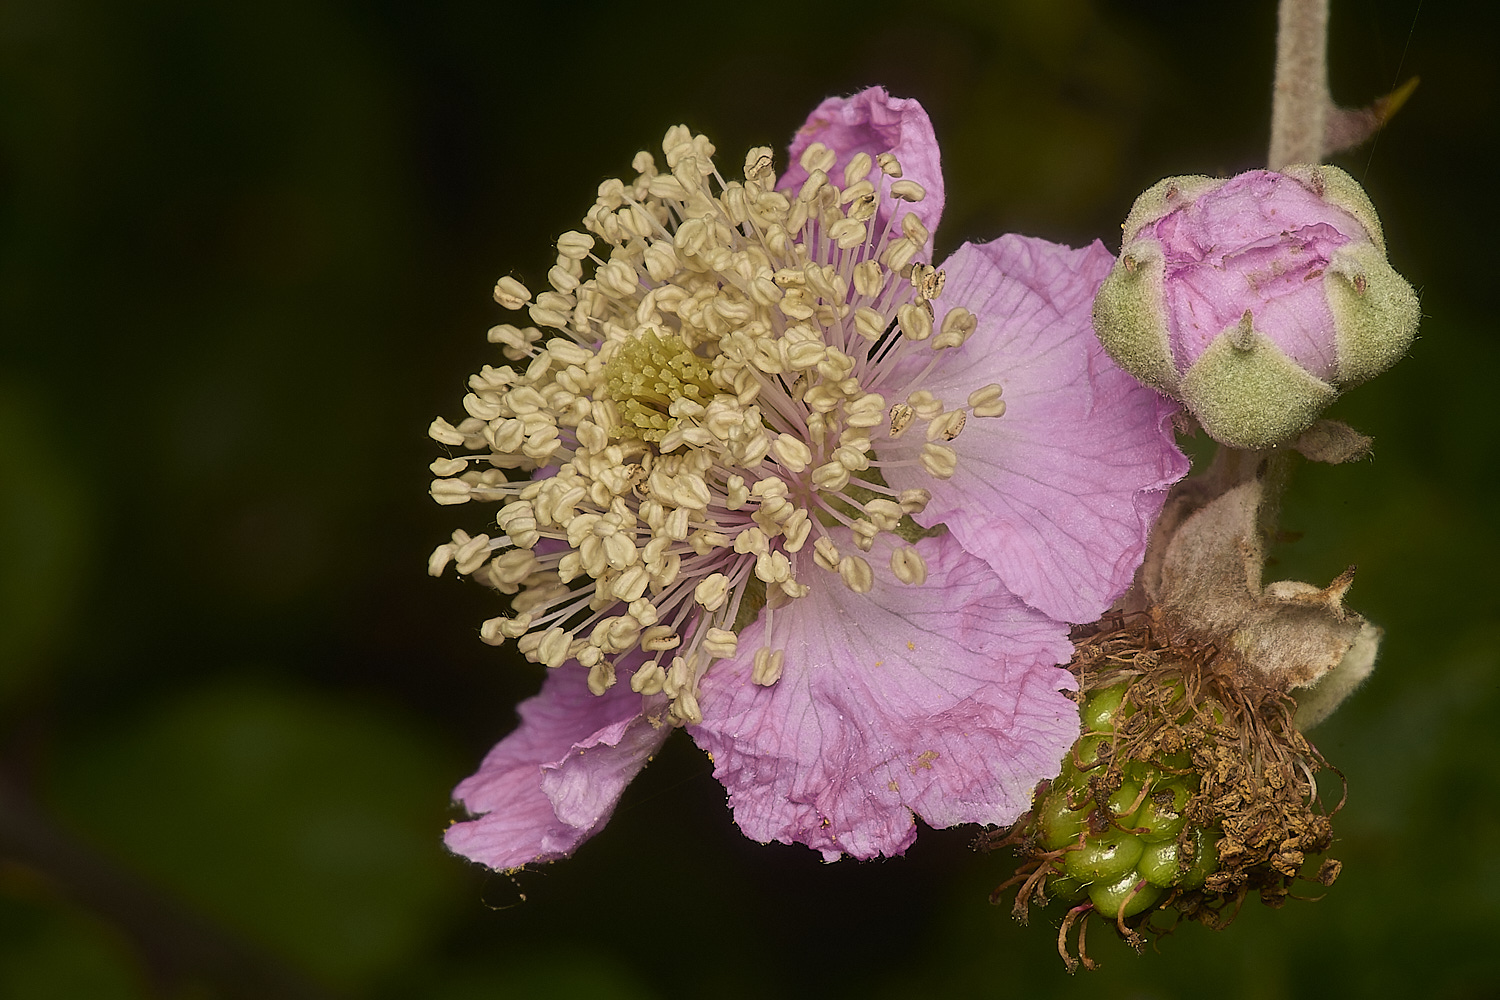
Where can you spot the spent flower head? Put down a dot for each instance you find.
(1255, 300)
(791, 486)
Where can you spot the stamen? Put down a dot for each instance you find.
(709, 409)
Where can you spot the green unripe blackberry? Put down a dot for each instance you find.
(1163, 813)
(1102, 858)
(1157, 806)
(1125, 897)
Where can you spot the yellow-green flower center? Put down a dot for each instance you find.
(647, 375)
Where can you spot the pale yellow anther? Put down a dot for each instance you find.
(884, 513)
(751, 540)
(667, 187)
(486, 407)
(816, 179)
(601, 677)
(798, 526)
(857, 438)
(770, 486)
(517, 340)
(632, 583)
(737, 494)
(831, 477)
(448, 466)
(869, 323)
(915, 501)
(986, 401)
(866, 411)
(510, 293)
(888, 164)
(768, 666)
(691, 492)
(869, 278)
(856, 574)
(925, 404)
(681, 675)
(908, 566)
(566, 352)
(685, 709)
(758, 162)
(563, 279)
(848, 233)
(958, 327)
(498, 630)
(855, 190)
(450, 491)
(712, 592)
(901, 418)
(648, 679)
(655, 550)
(864, 534)
(792, 453)
(642, 615)
(912, 229)
(817, 157)
(660, 261)
(802, 356)
(946, 426)
(704, 541)
(862, 209)
(908, 191)
(618, 278)
(796, 304)
(575, 245)
(658, 638)
(439, 559)
(939, 460)
(916, 321)
(676, 526)
(857, 169)
(822, 399)
(552, 650)
(445, 433)
(772, 567)
(720, 642)
(764, 291)
(851, 458)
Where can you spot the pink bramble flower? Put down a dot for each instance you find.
(796, 490)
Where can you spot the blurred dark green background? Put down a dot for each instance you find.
(246, 253)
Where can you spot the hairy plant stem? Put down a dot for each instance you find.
(1300, 102)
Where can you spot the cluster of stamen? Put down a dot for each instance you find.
(713, 406)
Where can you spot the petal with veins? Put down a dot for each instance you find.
(1059, 494)
(874, 122)
(553, 782)
(941, 700)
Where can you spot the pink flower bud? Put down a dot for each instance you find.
(1255, 300)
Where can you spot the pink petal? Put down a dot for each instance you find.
(553, 782)
(874, 122)
(939, 699)
(1059, 494)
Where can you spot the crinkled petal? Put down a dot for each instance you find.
(874, 122)
(553, 782)
(941, 700)
(1059, 494)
